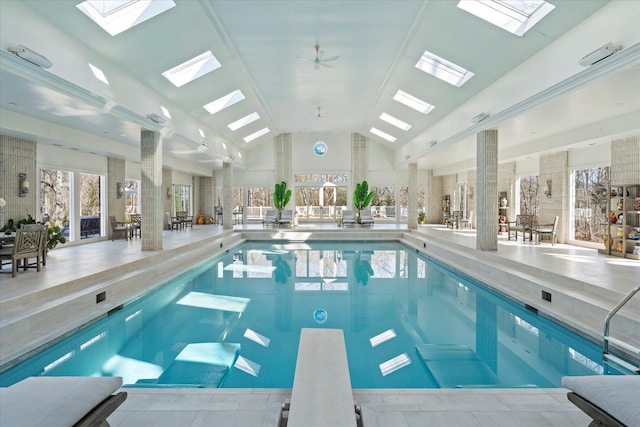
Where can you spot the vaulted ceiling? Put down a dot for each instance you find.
(532, 87)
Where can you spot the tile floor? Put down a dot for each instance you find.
(412, 407)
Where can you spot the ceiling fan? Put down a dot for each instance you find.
(318, 61)
(319, 115)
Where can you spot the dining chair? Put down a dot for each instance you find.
(27, 245)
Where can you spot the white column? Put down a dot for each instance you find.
(487, 190)
(412, 206)
(152, 190)
(227, 195)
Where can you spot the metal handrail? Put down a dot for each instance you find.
(614, 310)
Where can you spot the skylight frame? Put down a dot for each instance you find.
(225, 101)
(383, 135)
(506, 15)
(126, 16)
(395, 121)
(443, 69)
(250, 118)
(192, 69)
(413, 102)
(257, 134)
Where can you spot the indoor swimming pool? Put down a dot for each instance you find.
(235, 322)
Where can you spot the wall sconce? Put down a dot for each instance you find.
(470, 192)
(23, 185)
(547, 188)
(119, 190)
(168, 193)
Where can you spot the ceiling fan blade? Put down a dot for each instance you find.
(332, 58)
(305, 59)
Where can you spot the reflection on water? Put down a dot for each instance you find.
(236, 323)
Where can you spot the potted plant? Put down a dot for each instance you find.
(55, 237)
(422, 217)
(281, 197)
(362, 197)
(282, 270)
(362, 270)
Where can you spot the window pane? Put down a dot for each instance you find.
(182, 199)
(259, 201)
(590, 205)
(55, 198)
(383, 205)
(529, 200)
(132, 196)
(90, 205)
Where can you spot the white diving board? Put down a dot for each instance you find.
(321, 394)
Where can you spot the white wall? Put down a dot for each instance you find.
(49, 156)
(337, 158)
(590, 157)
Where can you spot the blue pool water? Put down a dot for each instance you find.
(235, 322)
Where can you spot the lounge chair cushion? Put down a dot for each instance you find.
(53, 401)
(617, 395)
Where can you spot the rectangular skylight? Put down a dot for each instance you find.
(413, 102)
(307, 286)
(201, 132)
(252, 335)
(98, 74)
(224, 102)
(243, 121)
(214, 302)
(248, 366)
(383, 337)
(443, 69)
(395, 121)
(383, 135)
(116, 16)
(515, 16)
(255, 135)
(190, 70)
(165, 111)
(335, 286)
(394, 364)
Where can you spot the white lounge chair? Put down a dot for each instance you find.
(286, 218)
(348, 218)
(270, 218)
(61, 401)
(365, 218)
(610, 400)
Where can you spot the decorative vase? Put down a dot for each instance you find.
(503, 202)
(613, 217)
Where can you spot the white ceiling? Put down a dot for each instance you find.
(378, 43)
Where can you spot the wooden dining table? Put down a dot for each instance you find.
(7, 239)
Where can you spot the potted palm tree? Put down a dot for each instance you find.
(362, 197)
(281, 197)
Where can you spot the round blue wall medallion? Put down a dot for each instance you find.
(320, 315)
(320, 148)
